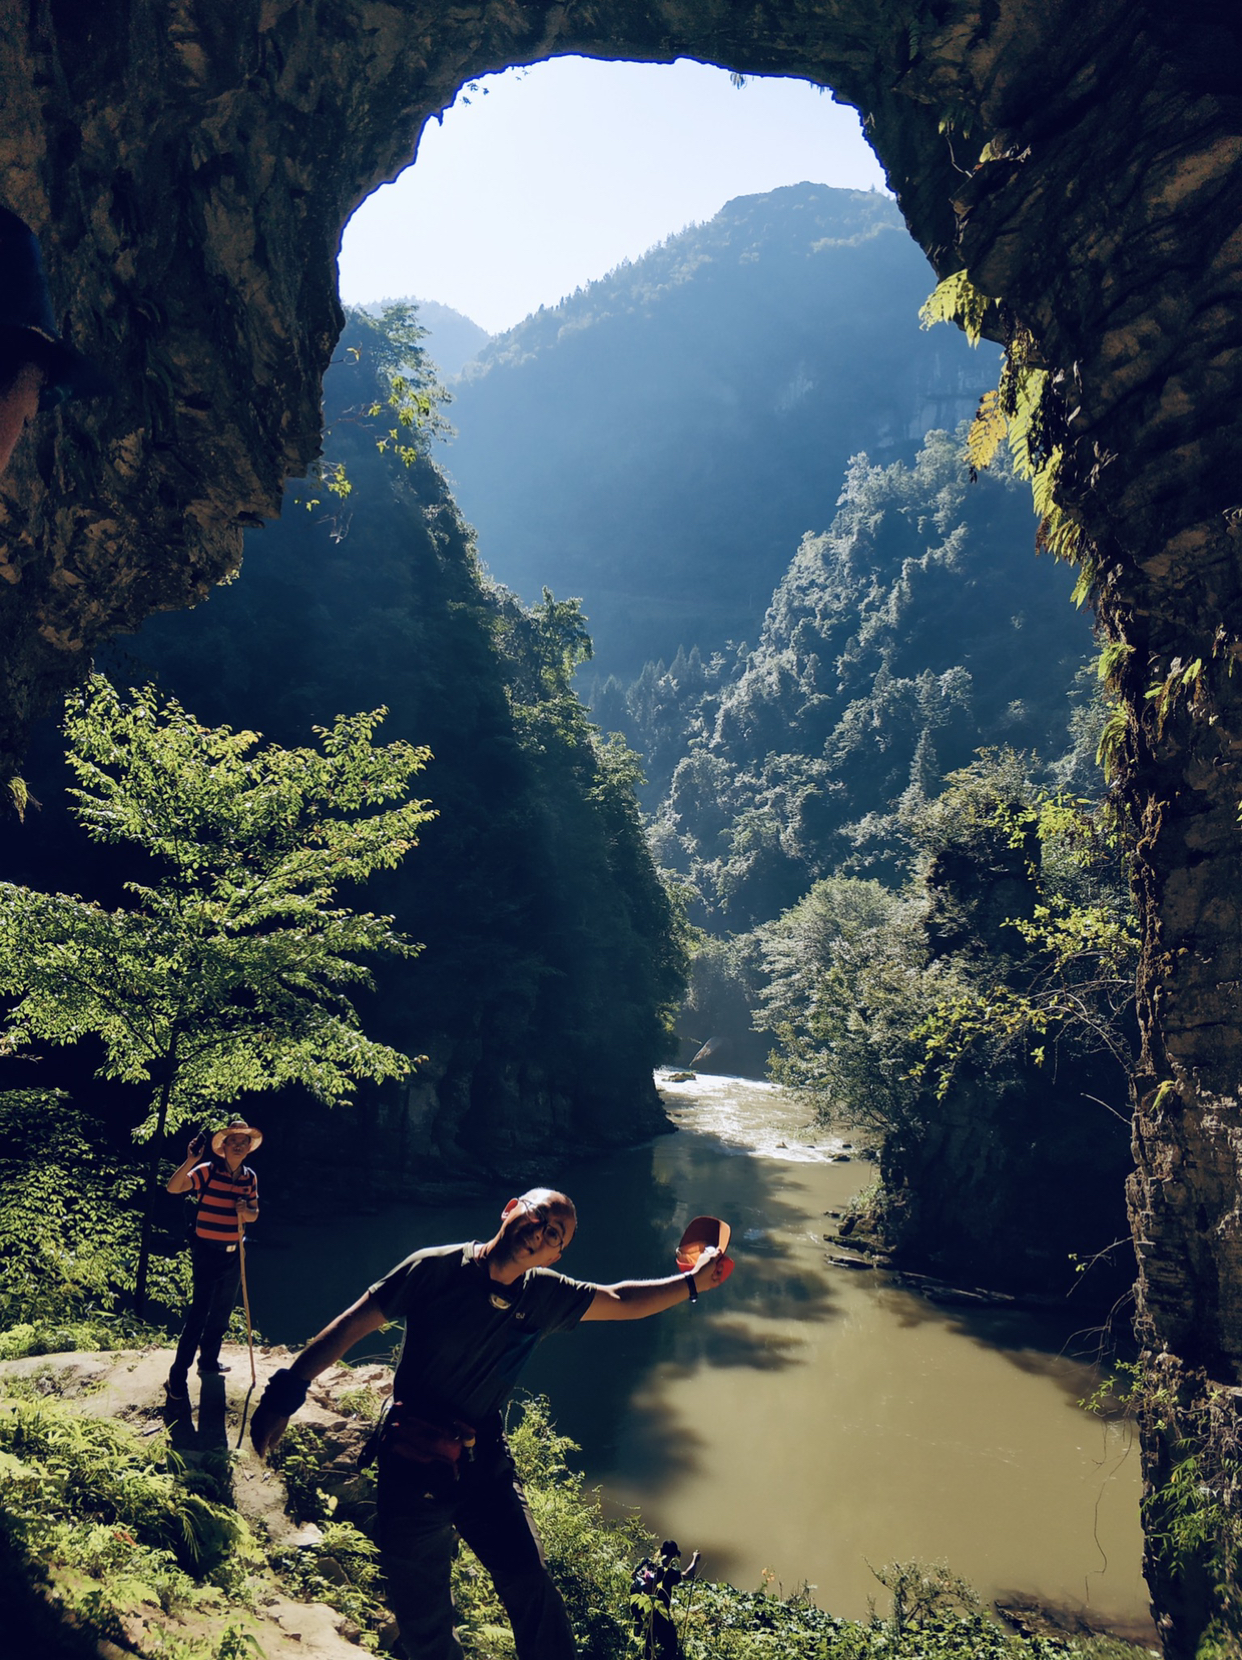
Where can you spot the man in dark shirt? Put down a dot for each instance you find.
(474, 1313)
(228, 1199)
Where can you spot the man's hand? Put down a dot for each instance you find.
(179, 1181)
(266, 1429)
(286, 1389)
(712, 1269)
(284, 1394)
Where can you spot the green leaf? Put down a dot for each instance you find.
(229, 969)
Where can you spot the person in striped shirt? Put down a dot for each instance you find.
(228, 1200)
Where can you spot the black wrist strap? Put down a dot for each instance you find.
(694, 1290)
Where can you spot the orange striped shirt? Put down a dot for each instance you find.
(220, 1189)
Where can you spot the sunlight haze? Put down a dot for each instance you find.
(540, 180)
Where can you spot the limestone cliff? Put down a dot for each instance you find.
(190, 164)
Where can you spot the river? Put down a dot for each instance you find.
(805, 1420)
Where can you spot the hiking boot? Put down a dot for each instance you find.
(211, 1368)
(176, 1390)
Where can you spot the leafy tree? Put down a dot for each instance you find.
(403, 387)
(542, 646)
(407, 388)
(226, 970)
(911, 633)
(848, 981)
(978, 1023)
(1072, 989)
(1014, 942)
(542, 984)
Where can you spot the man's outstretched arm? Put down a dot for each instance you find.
(636, 1299)
(285, 1393)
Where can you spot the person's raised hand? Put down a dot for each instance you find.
(712, 1269)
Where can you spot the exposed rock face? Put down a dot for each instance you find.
(190, 163)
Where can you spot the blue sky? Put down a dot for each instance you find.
(541, 179)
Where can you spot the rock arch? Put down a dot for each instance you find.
(190, 163)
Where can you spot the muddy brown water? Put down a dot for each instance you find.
(805, 1421)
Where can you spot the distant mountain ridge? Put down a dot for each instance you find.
(660, 440)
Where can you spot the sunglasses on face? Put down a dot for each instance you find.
(553, 1230)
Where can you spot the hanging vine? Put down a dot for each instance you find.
(1026, 409)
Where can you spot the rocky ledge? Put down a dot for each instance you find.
(127, 1387)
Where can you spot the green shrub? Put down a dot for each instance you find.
(67, 1474)
(341, 1569)
(590, 1556)
(88, 1495)
(69, 1224)
(301, 1458)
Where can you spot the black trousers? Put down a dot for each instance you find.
(418, 1520)
(217, 1275)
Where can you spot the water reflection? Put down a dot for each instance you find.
(802, 1418)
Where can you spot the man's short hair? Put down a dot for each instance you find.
(553, 1198)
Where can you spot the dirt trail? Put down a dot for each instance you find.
(128, 1385)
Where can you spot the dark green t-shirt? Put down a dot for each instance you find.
(467, 1337)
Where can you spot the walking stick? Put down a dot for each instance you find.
(241, 1257)
(241, 1247)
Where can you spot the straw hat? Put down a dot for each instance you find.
(238, 1126)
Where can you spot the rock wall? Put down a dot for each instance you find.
(190, 163)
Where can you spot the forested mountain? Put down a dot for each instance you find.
(660, 441)
(918, 708)
(550, 968)
(917, 629)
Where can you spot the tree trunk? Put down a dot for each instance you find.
(149, 1190)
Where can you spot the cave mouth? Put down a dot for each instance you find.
(1079, 162)
(539, 179)
(537, 184)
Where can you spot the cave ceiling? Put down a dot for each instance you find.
(190, 164)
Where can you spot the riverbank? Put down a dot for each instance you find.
(159, 1536)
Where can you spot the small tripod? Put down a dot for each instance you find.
(651, 1601)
